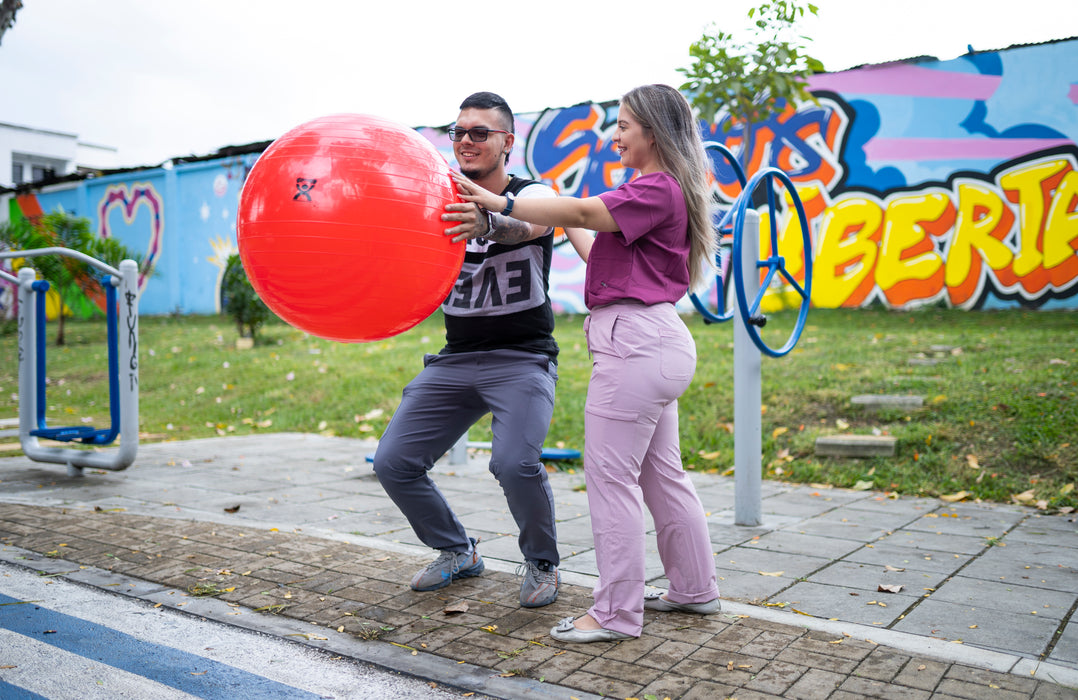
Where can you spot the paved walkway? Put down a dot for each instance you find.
(841, 594)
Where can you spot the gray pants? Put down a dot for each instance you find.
(438, 406)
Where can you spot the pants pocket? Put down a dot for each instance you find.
(677, 356)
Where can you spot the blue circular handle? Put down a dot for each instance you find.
(723, 228)
(775, 263)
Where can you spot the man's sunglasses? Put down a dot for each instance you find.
(478, 134)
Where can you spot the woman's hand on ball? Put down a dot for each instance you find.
(471, 192)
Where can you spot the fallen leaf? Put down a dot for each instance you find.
(951, 498)
(863, 486)
(460, 606)
(778, 431)
(841, 424)
(971, 460)
(888, 567)
(888, 588)
(232, 509)
(776, 574)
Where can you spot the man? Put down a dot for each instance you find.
(500, 357)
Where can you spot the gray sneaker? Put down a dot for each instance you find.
(540, 584)
(448, 567)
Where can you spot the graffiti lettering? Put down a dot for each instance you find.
(804, 142)
(132, 328)
(1014, 234)
(571, 149)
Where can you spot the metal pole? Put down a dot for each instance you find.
(748, 443)
(458, 454)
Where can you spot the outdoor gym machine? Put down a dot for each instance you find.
(121, 298)
(741, 223)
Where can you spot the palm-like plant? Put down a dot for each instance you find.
(77, 284)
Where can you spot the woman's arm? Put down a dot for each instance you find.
(581, 240)
(567, 212)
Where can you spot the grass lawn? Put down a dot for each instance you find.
(998, 421)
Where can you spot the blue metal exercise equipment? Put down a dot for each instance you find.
(731, 227)
(121, 298)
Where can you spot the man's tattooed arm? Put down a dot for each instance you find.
(509, 231)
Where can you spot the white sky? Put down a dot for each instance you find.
(164, 78)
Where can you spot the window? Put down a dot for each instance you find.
(16, 173)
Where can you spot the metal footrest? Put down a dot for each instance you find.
(75, 432)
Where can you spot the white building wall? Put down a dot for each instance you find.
(43, 148)
(95, 157)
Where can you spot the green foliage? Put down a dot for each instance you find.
(241, 301)
(752, 79)
(997, 422)
(72, 279)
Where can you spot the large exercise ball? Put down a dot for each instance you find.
(339, 228)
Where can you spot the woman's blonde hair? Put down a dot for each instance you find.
(666, 112)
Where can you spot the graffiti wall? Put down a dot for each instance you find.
(923, 182)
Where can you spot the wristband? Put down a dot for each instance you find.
(509, 199)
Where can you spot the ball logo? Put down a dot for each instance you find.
(304, 187)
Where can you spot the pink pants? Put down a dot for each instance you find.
(643, 359)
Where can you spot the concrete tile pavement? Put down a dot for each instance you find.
(298, 525)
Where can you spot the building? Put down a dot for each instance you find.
(29, 155)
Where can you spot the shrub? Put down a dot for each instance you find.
(240, 301)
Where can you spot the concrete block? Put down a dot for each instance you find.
(874, 402)
(855, 446)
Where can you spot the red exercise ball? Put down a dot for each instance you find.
(339, 228)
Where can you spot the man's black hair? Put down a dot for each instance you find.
(489, 100)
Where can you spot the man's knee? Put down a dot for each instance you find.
(389, 465)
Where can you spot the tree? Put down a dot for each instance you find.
(8, 8)
(76, 283)
(756, 79)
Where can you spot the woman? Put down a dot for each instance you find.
(655, 241)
